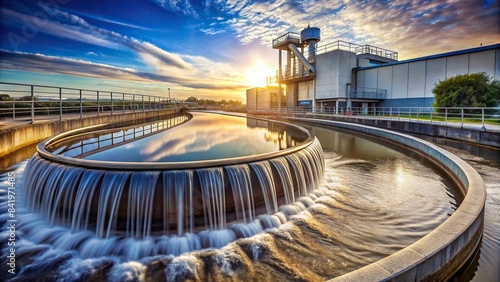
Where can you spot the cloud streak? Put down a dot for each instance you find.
(59, 65)
(185, 71)
(414, 28)
(182, 7)
(78, 29)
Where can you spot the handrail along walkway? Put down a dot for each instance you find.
(18, 101)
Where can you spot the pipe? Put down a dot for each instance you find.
(301, 57)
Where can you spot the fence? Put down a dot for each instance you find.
(21, 101)
(81, 147)
(452, 115)
(367, 93)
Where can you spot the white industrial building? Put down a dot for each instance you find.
(264, 97)
(344, 75)
(410, 82)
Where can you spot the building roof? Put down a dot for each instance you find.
(448, 54)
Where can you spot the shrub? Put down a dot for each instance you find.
(467, 90)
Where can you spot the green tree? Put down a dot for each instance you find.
(5, 97)
(467, 90)
(192, 99)
(27, 98)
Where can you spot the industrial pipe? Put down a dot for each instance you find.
(301, 57)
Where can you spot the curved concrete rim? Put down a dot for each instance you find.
(442, 252)
(109, 165)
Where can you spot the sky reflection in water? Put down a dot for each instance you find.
(207, 136)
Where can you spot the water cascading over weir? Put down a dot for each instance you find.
(172, 206)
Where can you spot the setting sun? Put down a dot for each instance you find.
(256, 75)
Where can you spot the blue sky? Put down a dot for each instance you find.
(213, 49)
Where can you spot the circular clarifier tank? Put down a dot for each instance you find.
(216, 176)
(204, 138)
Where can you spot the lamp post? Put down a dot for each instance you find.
(169, 97)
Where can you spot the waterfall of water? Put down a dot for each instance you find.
(220, 203)
(140, 203)
(64, 197)
(112, 188)
(239, 178)
(285, 177)
(84, 199)
(266, 181)
(178, 200)
(213, 196)
(299, 181)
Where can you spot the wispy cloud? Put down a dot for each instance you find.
(120, 23)
(411, 27)
(78, 29)
(233, 6)
(60, 30)
(58, 65)
(212, 31)
(416, 28)
(182, 7)
(187, 72)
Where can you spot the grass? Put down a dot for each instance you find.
(439, 117)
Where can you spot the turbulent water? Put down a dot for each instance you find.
(368, 206)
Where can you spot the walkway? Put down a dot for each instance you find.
(468, 125)
(10, 123)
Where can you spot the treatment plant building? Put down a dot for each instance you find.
(344, 75)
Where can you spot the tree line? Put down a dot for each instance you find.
(208, 102)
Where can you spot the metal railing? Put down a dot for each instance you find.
(82, 146)
(475, 117)
(22, 101)
(293, 72)
(374, 50)
(339, 45)
(297, 70)
(356, 48)
(367, 93)
(287, 37)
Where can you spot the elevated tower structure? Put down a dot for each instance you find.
(322, 76)
(299, 65)
(340, 76)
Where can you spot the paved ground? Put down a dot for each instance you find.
(9, 123)
(479, 126)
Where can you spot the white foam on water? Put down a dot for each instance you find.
(128, 271)
(182, 268)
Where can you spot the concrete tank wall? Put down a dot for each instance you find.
(14, 138)
(441, 253)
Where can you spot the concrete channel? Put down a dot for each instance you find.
(437, 256)
(17, 136)
(441, 253)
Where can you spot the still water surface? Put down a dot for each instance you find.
(205, 137)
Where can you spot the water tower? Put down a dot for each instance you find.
(298, 69)
(310, 36)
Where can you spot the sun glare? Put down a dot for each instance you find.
(256, 75)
